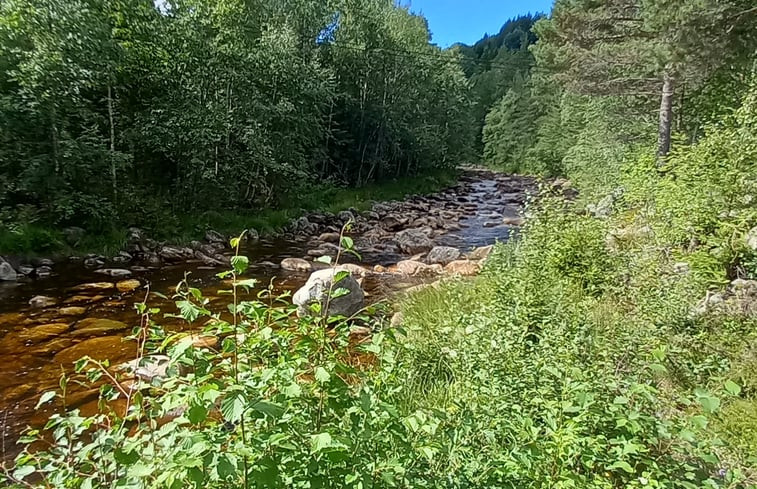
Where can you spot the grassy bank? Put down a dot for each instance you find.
(35, 238)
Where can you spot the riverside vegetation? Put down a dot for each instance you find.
(611, 345)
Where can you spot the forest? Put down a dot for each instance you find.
(124, 113)
(608, 342)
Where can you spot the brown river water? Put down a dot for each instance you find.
(92, 314)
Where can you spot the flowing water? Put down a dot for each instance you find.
(90, 316)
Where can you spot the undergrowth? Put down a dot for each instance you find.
(24, 233)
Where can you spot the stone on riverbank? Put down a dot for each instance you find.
(443, 255)
(316, 291)
(7, 272)
(413, 241)
(464, 268)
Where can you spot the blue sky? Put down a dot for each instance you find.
(466, 21)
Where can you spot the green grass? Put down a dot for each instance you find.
(30, 239)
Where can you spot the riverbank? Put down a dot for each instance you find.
(26, 240)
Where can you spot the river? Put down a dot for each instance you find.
(89, 314)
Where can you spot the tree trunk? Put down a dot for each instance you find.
(666, 115)
(113, 174)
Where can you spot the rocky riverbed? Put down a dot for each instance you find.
(52, 313)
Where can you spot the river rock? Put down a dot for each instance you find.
(296, 265)
(72, 311)
(417, 269)
(148, 368)
(443, 255)
(26, 270)
(175, 254)
(316, 290)
(252, 235)
(513, 221)
(102, 348)
(42, 301)
(413, 241)
(122, 258)
(38, 334)
(93, 287)
(329, 237)
(43, 271)
(481, 253)
(215, 237)
(93, 262)
(464, 268)
(97, 326)
(125, 286)
(114, 272)
(7, 273)
(345, 216)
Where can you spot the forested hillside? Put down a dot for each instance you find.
(121, 113)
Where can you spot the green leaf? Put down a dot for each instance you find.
(197, 414)
(23, 472)
(620, 464)
(125, 458)
(347, 243)
(321, 375)
(268, 408)
(324, 259)
(341, 275)
(225, 468)
(320, 442)
(45, 398)
(240, 264)
(234, 242)
(292, 390)
(247, 284)
(732, 388)
(188, 311)
(232, 407)
(709, 403)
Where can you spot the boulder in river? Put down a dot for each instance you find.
(7, 273)
(513, 221)
(296, 265)
(93, 287)
(97, 326)
(128, 285)
(443, 255)
(42, 301)
(38, 334)
(43, 272)
(347, 297)
(413, 241)
(114, 272)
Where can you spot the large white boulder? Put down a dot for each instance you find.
(347, 297)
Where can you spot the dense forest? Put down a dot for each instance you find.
(122, 112)
(609, 343)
